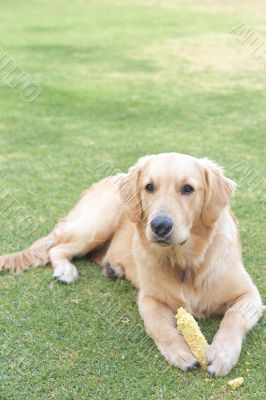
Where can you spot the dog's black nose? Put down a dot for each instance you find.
(161, 225)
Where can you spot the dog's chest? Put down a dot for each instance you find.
(197, 300)
(191, 299)
(186, 290)
(181, 289)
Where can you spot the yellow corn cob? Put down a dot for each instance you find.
(235, 383)
(189, 328)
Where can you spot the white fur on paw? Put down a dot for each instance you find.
(66, 272)
(179, 358)
(221, 360)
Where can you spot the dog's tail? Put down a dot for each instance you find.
(37, 254)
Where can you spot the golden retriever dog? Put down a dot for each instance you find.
(167, 227)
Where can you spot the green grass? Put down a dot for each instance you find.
(120, 79)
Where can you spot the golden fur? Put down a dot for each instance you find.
(200, 268)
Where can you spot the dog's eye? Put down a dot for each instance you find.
(187, 189)
(149, 188)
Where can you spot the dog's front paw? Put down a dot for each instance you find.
(179, 357)
(222, 358)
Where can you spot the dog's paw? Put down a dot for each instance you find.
(66, 272)
(113, 271)
(179, 358)
(221, 359)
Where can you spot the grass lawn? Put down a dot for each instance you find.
(120, 79)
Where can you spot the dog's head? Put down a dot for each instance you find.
(167, 194)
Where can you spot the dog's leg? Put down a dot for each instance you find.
(224, 352)
(60, 257)
(89, 225)
(160, 324)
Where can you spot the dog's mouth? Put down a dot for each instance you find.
(164, 243)
(167, 242)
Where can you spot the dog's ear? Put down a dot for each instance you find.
(218, 190)
(130, 190)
